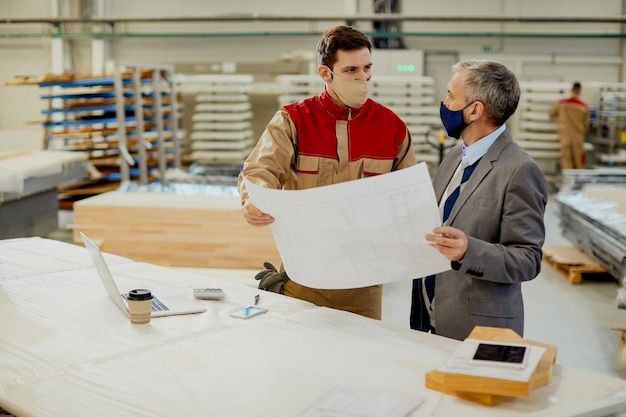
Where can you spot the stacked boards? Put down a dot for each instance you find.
(221, 123)
(537, 132)
(175, 230)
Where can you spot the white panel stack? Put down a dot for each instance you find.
(222, 128)
(537, 133)
(410, 97)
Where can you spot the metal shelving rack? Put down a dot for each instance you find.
(609, 125)
(120, 120)
(155, 102)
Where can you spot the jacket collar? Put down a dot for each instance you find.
(336, 110)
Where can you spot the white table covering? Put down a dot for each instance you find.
(66, 350)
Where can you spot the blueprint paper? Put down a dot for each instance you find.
(356, 233)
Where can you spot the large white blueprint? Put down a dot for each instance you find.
(356, 233)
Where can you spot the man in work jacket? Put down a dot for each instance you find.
(339, 135)
(572, 124)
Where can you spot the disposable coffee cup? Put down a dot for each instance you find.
(139, 306)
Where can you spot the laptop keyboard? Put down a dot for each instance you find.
(157, 305)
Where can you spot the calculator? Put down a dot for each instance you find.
(208, 293)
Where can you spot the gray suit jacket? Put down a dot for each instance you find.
(501, 211)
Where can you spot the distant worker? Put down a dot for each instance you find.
(572, 116)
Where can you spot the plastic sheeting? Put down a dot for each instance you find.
(38, 164)
(593, 217)
(66, 350)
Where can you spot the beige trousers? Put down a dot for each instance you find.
(572, 151)
(366, 301)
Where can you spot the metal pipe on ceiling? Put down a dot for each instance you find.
(110, 23)
(116, 35)
(387, 17)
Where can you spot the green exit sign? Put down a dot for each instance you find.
(405, 68)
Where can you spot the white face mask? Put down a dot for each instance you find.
(353, 93)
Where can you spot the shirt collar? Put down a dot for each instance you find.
(478, 149)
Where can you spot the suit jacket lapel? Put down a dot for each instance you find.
(485, 165)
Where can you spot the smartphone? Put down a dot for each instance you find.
(246, 313)
(510, 354)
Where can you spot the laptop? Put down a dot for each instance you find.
(175, 301)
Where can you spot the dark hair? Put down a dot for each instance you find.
(576, 87)
(492, 83)
(340, 37)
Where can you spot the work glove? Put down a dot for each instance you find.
(270, 279)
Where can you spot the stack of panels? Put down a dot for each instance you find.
(537, 133)
(410, 97)
(594, 219)
(221, 122)
(175, 230)
(577, 179)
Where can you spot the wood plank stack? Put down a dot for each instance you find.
(174, 230)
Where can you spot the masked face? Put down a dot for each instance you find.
(452, 120)
(353, 93)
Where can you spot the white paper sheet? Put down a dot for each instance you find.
(347, 401)
(357, 233)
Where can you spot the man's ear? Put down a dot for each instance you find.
(477, 110)
(324, 73)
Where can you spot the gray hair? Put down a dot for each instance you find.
(492, 83)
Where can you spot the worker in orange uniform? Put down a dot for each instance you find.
(572, 116)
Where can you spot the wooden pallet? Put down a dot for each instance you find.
(571, 261)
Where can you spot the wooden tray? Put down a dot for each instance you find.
(493, 391)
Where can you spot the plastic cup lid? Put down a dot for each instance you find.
(139, 294)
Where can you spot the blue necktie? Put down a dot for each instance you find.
(458, 179)
(454, 195)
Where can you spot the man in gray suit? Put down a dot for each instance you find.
(493, 227)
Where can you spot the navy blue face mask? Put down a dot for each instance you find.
(452, 120)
